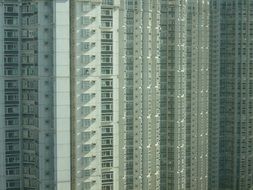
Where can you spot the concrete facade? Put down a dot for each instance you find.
(165, 93)
(231, 70)
(35, 102)
(126, 94)
(95, 94)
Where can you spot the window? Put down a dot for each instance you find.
(29, 157)
(28, 46)
(86, 185)
(107, 175)
(105, 59)
(12, 184)
(25, 20)
(29, 146)
(86, 6)
(107, 2)
(86, 135)
(86, 173)
(11, 46)
(108, 141)
(28, 109)
(29, 71)
(10, 33)
(107, 130)
(107, 118)
(28, 134)
(11, 134)
(106, 153)
(28, 33)
(11, 159)
(107, 83)
(86, 122)
(106, 71)
(87, 84)
(9, 8)
(12, 147)
(10, 59)
(86, 160)
(106, 47)
(86, 59)
(86, 110)
(106, 23)
(28, 8)
(107, 164)
(106, 95)
(29, 121)
(86, 98)
(11, 20)
(29, 20)
(106, 106)
(86, 71)
(11, 84)
(12, 171)
(107, 187)
(86, 46)
(29, 84)
(28, 59)
(10, 122)
(86, 148)
(106, 35)
(86, 20)
(29, 170)
(85, 33)
(11, 110)
(106, 12)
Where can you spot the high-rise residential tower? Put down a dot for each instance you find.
(231, 98)
(95, 91)
(34, 100)
(165, 61)
(184, 63)
(126, 94)
(140, 94)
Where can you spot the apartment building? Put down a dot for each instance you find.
(140, 94)
(231, 72)
(95, 94)
(34, 78)
(165, 93)
(126, 94)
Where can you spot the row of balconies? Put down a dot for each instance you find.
(87, 97)
(87, 21)
(86, 72)
(107, 91)
(87, 33)
(86, 59)
(25, 8)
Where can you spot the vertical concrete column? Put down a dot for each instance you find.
(2, 116)
(62, 95)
